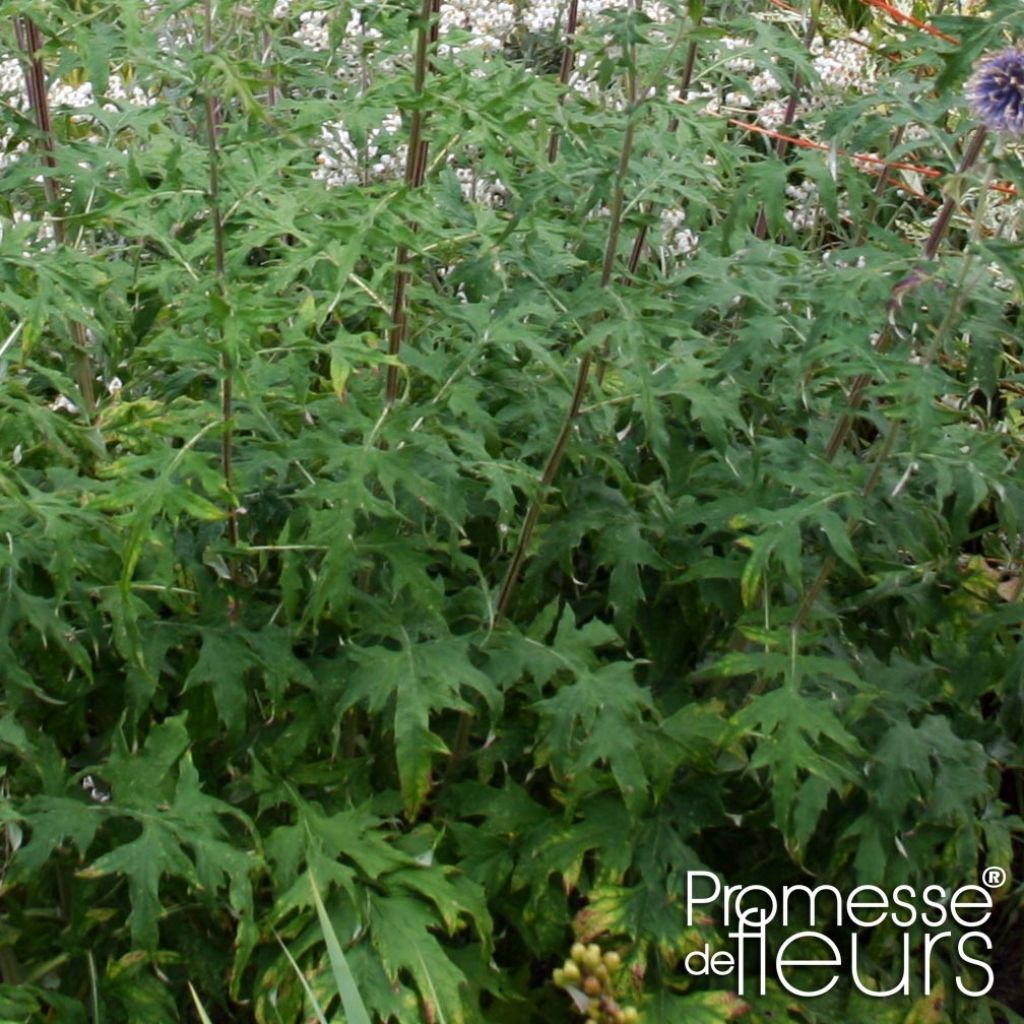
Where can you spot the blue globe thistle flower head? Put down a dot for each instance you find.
(996, 91)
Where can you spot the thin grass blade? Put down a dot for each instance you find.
(203, 1016)
(314, 1002)
(355, 1010)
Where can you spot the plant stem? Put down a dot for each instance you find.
(910, 283)
(896, 140)
(554, 460)
(271, 82)
(213, 120)
(30, 43)
(415, 169)
(673, 124)
(884, 341)
(830, 561)
(565, 71)
(781, 144)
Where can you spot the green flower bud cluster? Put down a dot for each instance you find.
(589, 976)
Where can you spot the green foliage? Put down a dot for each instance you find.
(268, 745)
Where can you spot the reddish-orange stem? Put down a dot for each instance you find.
(908, 19)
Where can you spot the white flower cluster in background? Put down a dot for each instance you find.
(482, 189)
(916, 133)
(829, 257)
(77, 97)
(802, 212)
(443, 273)
(355, 43)
(64, 404)
(62, 94)
(340, 161)
(489, 24)
(12, 92)
(844, 64)
(313, 31)
(20, 217)
(772, 114)
(584, 84)
(677, 239)
(39, 237)
(12, 83)
(542, 17)
(805, 207)
(175, 33)
(118, 89)
(763, 92)
(545, 15)
(9, 150)
(743, 65)
(764, 83)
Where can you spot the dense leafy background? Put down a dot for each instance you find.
(725, 651)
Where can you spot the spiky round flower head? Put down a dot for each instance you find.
(996, 91)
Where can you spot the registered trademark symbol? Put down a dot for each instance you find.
(994, 878)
